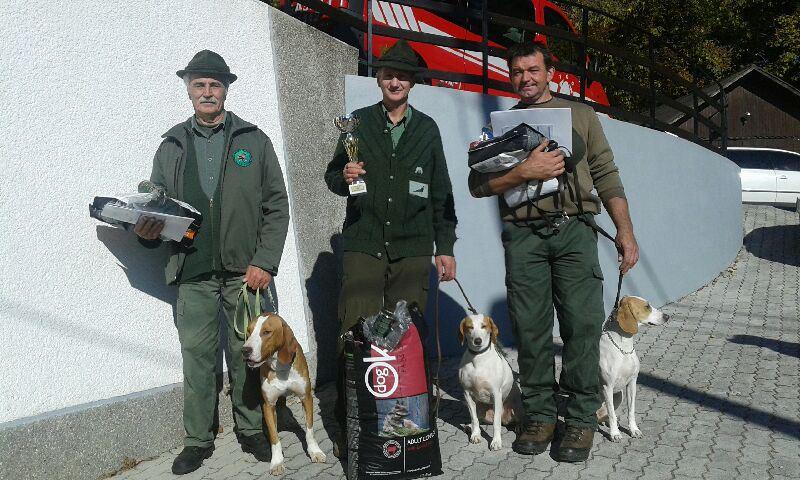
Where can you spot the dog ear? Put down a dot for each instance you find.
(285, 355)
(461, 328)
(494, 332)
(626, 319)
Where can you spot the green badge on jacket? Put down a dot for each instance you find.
(242, 157)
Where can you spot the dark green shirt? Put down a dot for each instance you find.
(209, 146)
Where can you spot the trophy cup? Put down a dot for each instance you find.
(347, 124)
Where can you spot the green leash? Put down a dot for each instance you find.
(249, 314)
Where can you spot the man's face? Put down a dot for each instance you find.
(207, 95)
(395, 85)
(530, 79)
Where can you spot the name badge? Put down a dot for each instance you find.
(418, 189)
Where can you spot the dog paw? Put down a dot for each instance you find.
(278, 469)
(317, 457)
(475, 438)
(497, 443)
(636, 433)
(615, 436)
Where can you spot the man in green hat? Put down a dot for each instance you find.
(407, 214)
(226, 168)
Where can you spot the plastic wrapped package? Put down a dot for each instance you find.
(181, 220)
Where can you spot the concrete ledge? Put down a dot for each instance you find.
(90, 440)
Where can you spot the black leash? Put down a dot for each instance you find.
(438, 341)
(438, 349)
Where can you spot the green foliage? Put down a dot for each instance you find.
(720, 36)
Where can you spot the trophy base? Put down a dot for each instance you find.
(357, 188)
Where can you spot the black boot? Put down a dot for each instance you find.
(190, 459)
(257, 445)
(575, 445)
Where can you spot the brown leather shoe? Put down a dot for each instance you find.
(575, 445)
(533, 438)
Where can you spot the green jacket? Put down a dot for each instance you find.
(408, 206)
(254, 215)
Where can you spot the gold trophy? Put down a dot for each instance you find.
(347, 124)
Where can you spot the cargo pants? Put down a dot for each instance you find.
(198, 306)
(546, 268)
(369, 283)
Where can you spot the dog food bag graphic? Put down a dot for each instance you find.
(391, 431)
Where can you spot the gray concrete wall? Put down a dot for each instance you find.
(112, 393)
(685, 204)
(311, 67)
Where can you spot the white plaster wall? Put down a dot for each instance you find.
(87, 88)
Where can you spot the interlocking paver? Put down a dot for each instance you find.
(717, 394)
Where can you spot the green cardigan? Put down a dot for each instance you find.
(408, 206)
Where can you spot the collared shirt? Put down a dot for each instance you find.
(398, 128)
(209, 146)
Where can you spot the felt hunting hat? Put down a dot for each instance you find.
(399, 56)
(210, 63)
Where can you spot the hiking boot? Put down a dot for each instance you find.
(575, 445)
(340, 446)
(190, 459)
(533, 438)
(257, 445)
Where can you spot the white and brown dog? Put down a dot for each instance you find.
(487, 379)
(619, 364)
(272, 347)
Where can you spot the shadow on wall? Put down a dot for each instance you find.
(322, 291)
(779, 244)
(451, 312)
(143, 267)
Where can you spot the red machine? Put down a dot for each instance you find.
(457, 60)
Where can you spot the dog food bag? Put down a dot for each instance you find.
(391, 427)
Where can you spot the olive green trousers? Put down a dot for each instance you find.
(547, 268)
(198, 307)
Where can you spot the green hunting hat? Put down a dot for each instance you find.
(210, 63)
(399, 56)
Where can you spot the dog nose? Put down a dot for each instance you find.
(478, 341)
(246, 351)
(666, 317)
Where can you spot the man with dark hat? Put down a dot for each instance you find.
(226, 168)
(407, 213)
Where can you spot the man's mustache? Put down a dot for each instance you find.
(210, 100)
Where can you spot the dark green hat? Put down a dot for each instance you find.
(399, 56)
(209, 63)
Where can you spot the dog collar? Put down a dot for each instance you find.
(478, 352)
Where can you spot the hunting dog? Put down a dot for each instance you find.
(619, 364)
(272, 348)
(490, 391)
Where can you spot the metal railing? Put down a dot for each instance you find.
(638, 98)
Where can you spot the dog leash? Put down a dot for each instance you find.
(471, 308)
(438, 349)
(244, 299)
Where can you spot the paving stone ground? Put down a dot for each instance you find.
(717, 398)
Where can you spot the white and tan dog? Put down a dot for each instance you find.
(272, 347)
(619, 364)
(487, 379)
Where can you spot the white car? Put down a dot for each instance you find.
(769, 175)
